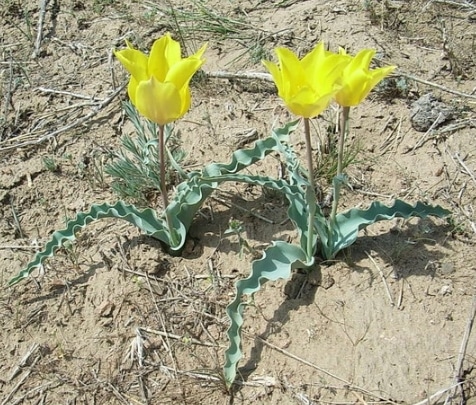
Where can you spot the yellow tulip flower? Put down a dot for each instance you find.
(159, 83)
(357, 79)
(306, 86)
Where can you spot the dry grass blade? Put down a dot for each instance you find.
(384, 280)
(467, 170)
(177, 337)
(24, 377)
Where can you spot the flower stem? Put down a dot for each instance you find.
(343, 130)
(310, 168)
(163, 186)
(310, 193)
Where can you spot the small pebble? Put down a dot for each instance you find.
(445, 290)
(428, 111)
(447, 268)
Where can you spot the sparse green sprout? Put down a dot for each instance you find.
(100, 5)
(393, 87)
(50, 164)
(135, 168)
(327, 155)
(235, 227)
(70, 249)
(98, 170)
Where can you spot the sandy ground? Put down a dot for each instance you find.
(383, 323)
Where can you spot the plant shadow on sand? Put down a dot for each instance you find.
(300, 292)
(407, 251)
(400, 250)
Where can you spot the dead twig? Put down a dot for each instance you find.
(19, 247)
(400, 294)
(165, 342)
(423, 138)
(23, 362)
(16, 219)
(16, 387)
(100, 106)
(467, 170)
(8, 96)
(240, 75)
(436, 396)
(467, 122)
(120, 396)
(39, 34)
(41, 388)
(24, 378)
(392, 303)
(268, 78)
(456, 3)
(201, 376)
(66, 93)
(458, 377)
(391, 140)
(437, 86)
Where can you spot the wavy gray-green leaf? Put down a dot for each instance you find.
(350, 222)
(188, 199)
(277, 262)
(146, 220)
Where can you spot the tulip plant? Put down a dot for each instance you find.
(159, 89)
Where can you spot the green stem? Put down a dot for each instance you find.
(307, 135)
(310, 193)
(163, 186)
(343, 132)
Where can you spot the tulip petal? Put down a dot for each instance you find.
(362, 59)
(180, 73)
(293, 75)
(276, 74)
(200, 52)
(314, 59)
(355, 88)
(159, 102)
(157, 64)
(186, 99)
(172, 51)
(358, 80)
(134, 61)
(380, 73)
(308, 104)
(131, 89)
(330, 71)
